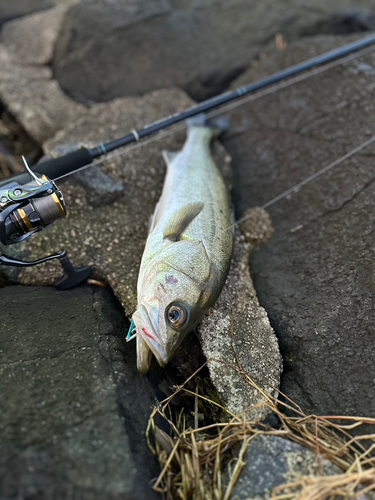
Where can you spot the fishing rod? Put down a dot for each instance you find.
(31, 201)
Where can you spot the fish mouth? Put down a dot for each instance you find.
(148, 343)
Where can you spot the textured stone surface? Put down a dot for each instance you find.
(315, 276)
(272, 461)
(71, 425)
(9, 9)
(31, 39)
(346, 21)
(252, 343)
(34, 98)
(111, 49)
(100, 189)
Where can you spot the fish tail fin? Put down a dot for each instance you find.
(218, 125)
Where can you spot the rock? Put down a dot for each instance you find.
(37, 102)
(16, 8)
(31, 40)
(35, 99)
(347, 21)
(253, 346)
(100, 189)
(272, 461)
(71, 424)
(314, 277)
(112, 49)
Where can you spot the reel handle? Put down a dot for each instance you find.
(72, 277)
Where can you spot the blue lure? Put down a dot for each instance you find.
(131, 330)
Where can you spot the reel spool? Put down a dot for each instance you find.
(28, 208)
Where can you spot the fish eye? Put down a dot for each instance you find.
(176, 315)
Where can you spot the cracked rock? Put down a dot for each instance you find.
(237, 333)
(315, 275)
(113, 49)
(71, 425)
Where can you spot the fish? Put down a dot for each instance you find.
(188, 249)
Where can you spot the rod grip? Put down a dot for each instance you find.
(56, 167)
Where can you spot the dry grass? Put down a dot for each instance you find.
(193, 459)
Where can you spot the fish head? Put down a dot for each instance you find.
(172, 297)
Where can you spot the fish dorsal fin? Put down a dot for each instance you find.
(181, 219)
(169, 156)
(189, 257)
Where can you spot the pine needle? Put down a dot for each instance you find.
(193, 461)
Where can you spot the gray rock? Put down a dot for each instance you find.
(100, 188)
(71, 424)
(253, 345)
(16, 8)
(10, 9)
(272, 461)
(31, 39)
(113, 49)
(35, 99)
(315, 275)
(347, 21)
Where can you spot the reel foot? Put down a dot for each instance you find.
(73, 276)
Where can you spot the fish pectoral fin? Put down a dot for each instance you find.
(182, 218)
(169, 156)
(144, 355)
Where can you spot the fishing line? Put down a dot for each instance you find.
(288, 83)
(228, 107)
(128, 149)
(240, 102)
(296, 187)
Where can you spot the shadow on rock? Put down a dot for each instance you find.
(74, 409)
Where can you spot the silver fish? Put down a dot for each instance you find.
(188, 250)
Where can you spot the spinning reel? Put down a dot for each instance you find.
(29, 208)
